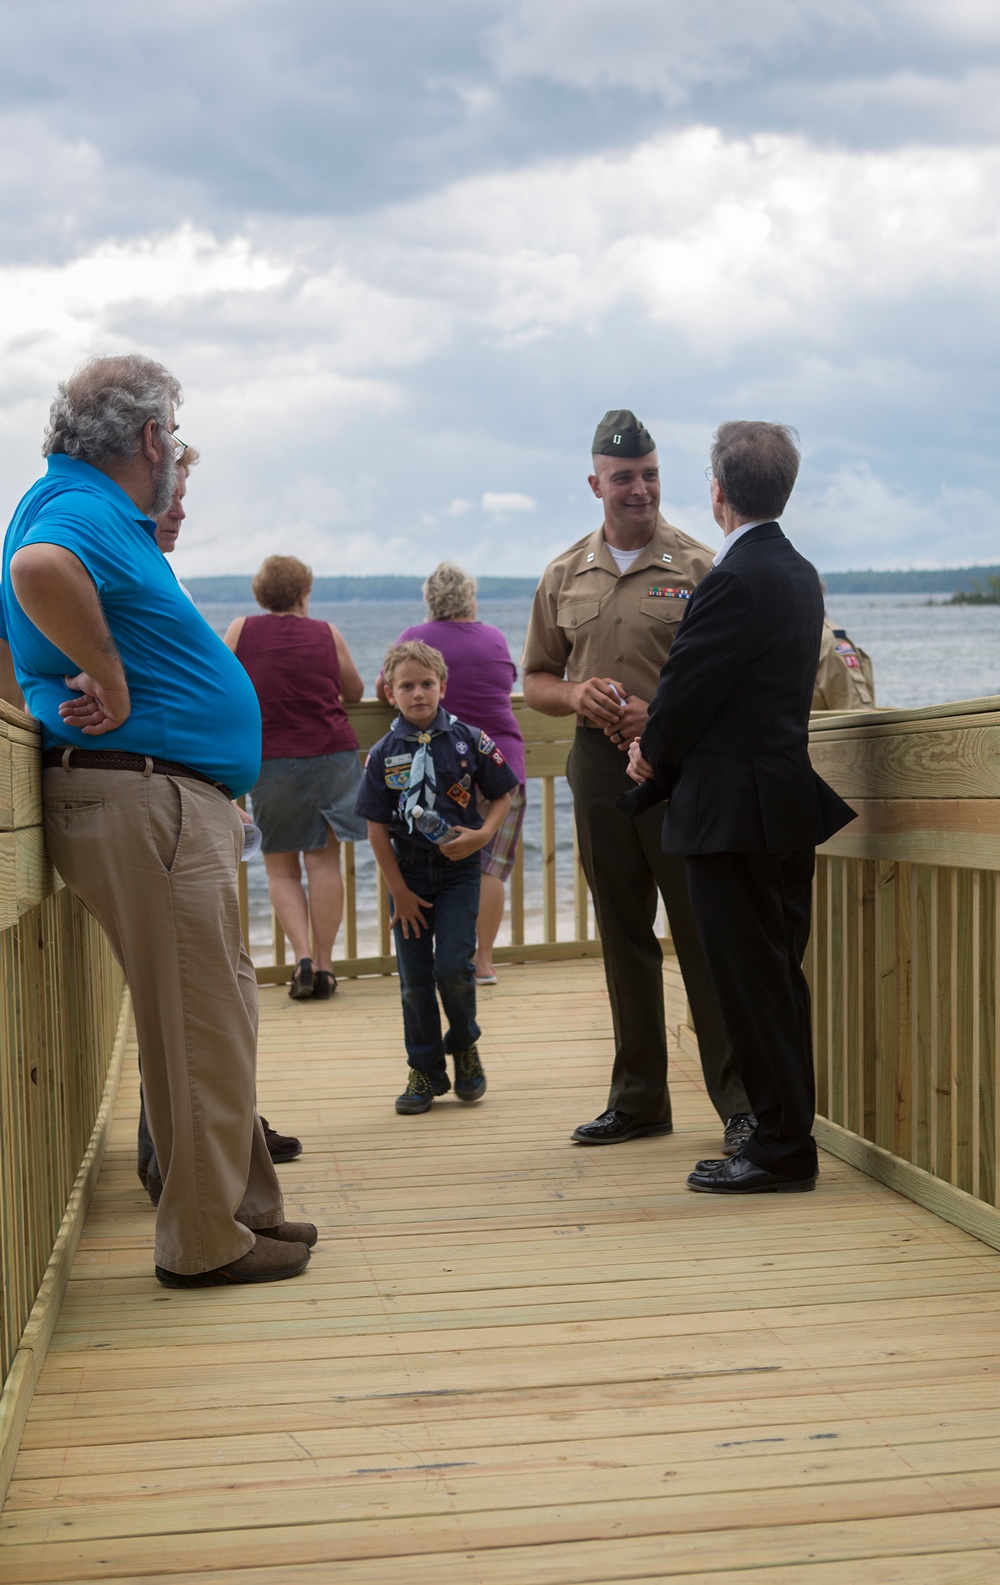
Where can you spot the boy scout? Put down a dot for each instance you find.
(604, 617)
(845, 680)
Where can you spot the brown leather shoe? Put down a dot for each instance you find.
(290, 1233)
(269, 1260)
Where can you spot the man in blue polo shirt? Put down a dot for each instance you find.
(150, 726)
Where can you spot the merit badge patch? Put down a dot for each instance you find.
(659, 591)
(460, 795)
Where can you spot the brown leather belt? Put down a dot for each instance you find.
(117, 759)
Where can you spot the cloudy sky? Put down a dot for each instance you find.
(402, 258)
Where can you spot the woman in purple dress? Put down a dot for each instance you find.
(481, 675)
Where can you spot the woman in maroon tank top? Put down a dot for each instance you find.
(303, 800)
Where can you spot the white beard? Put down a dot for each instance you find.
(164, 483)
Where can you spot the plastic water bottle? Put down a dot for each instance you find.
(433, 826)
(253, 837)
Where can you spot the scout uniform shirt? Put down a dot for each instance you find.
(845, 680)
(465, 761)
(589, 620)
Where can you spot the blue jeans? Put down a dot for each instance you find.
(440, 958)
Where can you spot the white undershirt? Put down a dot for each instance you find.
(624, 558)
(730, 539)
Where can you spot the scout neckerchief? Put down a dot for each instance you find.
(422, 786)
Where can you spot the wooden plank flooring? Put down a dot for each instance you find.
(514, 1361)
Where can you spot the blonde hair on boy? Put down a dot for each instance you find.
(413, 649)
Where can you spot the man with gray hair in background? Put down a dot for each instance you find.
(150, 727)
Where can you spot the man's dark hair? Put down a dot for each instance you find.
(756, 465)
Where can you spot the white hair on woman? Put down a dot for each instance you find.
(450, 593)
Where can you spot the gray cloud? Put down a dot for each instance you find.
(402, 259)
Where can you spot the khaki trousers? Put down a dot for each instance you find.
(154, 860)
(625, 866)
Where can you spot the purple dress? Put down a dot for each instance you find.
(481, 675)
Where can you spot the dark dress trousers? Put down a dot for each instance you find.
(728, 740)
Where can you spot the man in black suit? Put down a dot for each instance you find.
(727, 743)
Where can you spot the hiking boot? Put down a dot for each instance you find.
(280, 1147)
(420, 1091)
(290, 1233)
(270, 1260)
(470, 1080)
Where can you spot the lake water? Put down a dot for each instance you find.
(923, 653)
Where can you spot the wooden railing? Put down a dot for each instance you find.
(63, 1022)
(547, 742)
(905, 954)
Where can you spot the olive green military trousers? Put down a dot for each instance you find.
(625, 866)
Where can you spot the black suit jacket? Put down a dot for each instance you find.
(728, 729)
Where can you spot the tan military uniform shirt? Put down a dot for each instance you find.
(846, 679)
(589, 620)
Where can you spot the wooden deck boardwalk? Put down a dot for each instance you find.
(513, 1361)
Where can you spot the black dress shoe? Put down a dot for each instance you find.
(280, 1147)
(613, 1128)
(738, 1129)
(737, 1175)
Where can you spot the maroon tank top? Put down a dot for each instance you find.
(292, 662)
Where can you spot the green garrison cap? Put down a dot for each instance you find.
(620, 434)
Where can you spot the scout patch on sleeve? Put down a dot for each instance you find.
(497, 757)
(460, 795)
(848, 655)
(661, 591)
(486, 744)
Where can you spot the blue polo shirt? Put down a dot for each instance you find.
(192, 701)
(466, 761)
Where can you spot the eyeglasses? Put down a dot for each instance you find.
(708, 472)
(180, 446)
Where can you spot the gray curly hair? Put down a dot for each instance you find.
(450, 593)
(101, 409)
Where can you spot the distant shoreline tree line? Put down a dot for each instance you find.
(966, 585)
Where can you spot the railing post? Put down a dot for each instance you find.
(581, 895)
(548, 858)
(384, 943)
(517, 898)
(350, 899)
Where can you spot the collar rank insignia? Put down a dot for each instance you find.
(659, 591)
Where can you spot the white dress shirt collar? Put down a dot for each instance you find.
(730, 539)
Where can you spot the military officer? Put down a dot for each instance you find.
(604, 617)
(845, 680)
